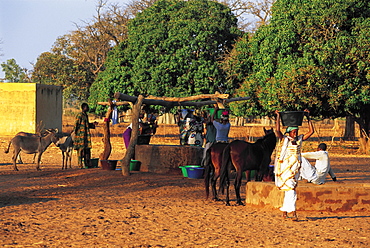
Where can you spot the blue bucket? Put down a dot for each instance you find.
(195, 172)
(184, 169)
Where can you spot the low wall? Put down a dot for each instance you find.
(167, 158)
(328, 197)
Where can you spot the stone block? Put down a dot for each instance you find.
(327, 197)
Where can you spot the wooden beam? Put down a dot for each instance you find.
(171, 104)
(115, 103)
(189, 98)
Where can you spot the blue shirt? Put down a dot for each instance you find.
(222, 133)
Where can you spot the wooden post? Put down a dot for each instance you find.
(130, 150)
(106, 132)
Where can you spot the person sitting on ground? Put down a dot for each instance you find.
(223, 127)
(322, 164)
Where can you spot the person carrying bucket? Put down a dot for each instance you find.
(223, 127)
(288, 162)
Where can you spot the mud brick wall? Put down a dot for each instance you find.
(24, 106)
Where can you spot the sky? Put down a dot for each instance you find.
(30, 27)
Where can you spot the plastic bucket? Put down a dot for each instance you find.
(135, 165)
(94, 162)
(195, 172)
(252, 174)
(292, 118)
(108, 164)
(185, 171)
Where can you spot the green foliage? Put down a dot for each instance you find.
(13, 72)
(58, 69)
(314, 54)
(174, 48)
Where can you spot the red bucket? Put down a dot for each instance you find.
(108, 164)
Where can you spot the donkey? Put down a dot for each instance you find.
(65, 144)
(31, 145)
(28, 135)
(244, 156)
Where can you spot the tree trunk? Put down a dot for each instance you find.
(106, 132)
(364, 126)
(130, 150)
(364, 141)
(349, 131)
(364, 145)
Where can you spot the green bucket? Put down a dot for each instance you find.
(184, 169)
(218, 113)
(135, 165)
(94, 162)
(252, 174)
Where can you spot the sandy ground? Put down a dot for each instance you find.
(98, 208)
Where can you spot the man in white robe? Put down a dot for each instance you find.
(322, 165)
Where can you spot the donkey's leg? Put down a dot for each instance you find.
(19, 159)
(237, 185)
(63, 157)
(214, 178)
(70, 158)
(214, 190)
(14, 158)
(227, 190)
(38, 159)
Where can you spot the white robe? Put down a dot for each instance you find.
(307, 171)
(322, 166)
(287, 166)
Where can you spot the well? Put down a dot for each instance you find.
(167, 158)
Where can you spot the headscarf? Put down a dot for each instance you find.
(291, 129)
(225, 115)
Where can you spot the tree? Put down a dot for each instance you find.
(13, 72)
(174, 48)
(58, 69)
(314, 54)
(250, 14)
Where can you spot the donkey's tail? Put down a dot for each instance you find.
(7, 149)
(224, 173)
